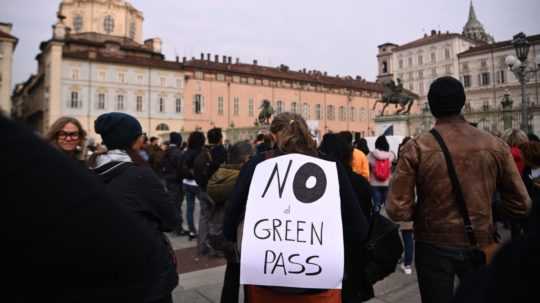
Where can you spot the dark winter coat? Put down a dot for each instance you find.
(355, 226)
(64, 237)
(139, 189)
(207, 162)
(170, 165)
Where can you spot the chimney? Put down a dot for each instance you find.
(208, 56)
(304, 70)
(224, 59)
(325, 74)
(230, 60)
(177, 59)
(184, 60)
(237, 60)
(193, 58)
(255, 62)
(216, 58)
(202, 56)
(433, 32)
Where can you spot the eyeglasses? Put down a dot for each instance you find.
(63, 135)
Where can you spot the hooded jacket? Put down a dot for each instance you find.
(372, 158)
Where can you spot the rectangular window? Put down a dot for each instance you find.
(236, 106)
(101, 101)
(501, 77)
(163, 81)
(139, 105)
(293, 107)
(420, 60)
(421, 88)
(198, 104)
(251, 81)
(484, 79)
(198, 75)
(161, 105)
(179, 83)
(330, 114)
(433, 58)
(220, 105)
(410, 62)
(342, 113)
(317, 112)
(420, 74)
(102, 75)
(74, 101)
(140, 79)
(467, 81)
(75, 74)
(122, 77)
(400, 63)
(250, 107)
(446, 53)
(279, 106)
(352, 114)
(120, 102)
(434, 72)
(221, 77)
(305, 111)
(178, 105)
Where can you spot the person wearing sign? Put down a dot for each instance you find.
(292, 138)
(481, 163)
(380, 161)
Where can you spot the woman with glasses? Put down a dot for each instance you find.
(67, 135)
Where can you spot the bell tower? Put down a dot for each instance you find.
(386, 65)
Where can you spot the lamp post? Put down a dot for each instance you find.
(519, 66)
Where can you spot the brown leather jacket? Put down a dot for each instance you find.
(483, 164)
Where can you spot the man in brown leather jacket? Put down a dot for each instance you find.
(483, 164)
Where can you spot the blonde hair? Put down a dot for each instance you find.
(515, 137)
(58, 125)
(292, 134)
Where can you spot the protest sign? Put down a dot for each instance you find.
(292, 233)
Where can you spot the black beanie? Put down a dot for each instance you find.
(175, 138)
(446, 97)
(118, 130)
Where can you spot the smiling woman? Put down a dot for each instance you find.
(67, 135)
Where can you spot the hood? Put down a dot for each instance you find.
(111, 164)
(381, 155)
(225, 173)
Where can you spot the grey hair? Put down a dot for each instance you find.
(240, 152)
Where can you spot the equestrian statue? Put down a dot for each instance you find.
(266, 113)
(396, 95)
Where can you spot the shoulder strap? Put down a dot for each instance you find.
(458, 192)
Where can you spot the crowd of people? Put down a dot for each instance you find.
(448, 189)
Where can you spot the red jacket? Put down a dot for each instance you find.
(518, 158)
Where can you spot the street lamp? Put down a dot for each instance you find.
(520, 69)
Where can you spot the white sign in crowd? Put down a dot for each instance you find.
(292, 234)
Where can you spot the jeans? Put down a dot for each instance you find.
(437, 267)
(379, 194)
(205, 202)
(177, 195)
(408, 242)
(191, 192)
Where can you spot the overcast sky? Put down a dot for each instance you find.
(339, 36)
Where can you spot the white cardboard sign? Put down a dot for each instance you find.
(293, 234)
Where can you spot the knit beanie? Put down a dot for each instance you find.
(118, 130)
(446, 97)
(175, 138)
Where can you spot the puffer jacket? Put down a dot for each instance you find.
(483, 164)
(372, 158)
(221, 184)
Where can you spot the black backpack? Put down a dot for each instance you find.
(383, 248)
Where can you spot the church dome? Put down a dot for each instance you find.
(117, 18)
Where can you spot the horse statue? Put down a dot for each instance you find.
(395, 94)
(266, 112)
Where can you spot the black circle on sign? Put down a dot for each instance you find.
(301, 192)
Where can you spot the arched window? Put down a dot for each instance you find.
(78, 23)
(162, 127)
(384, 67)
(108, 24)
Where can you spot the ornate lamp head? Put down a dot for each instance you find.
(521, 45)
